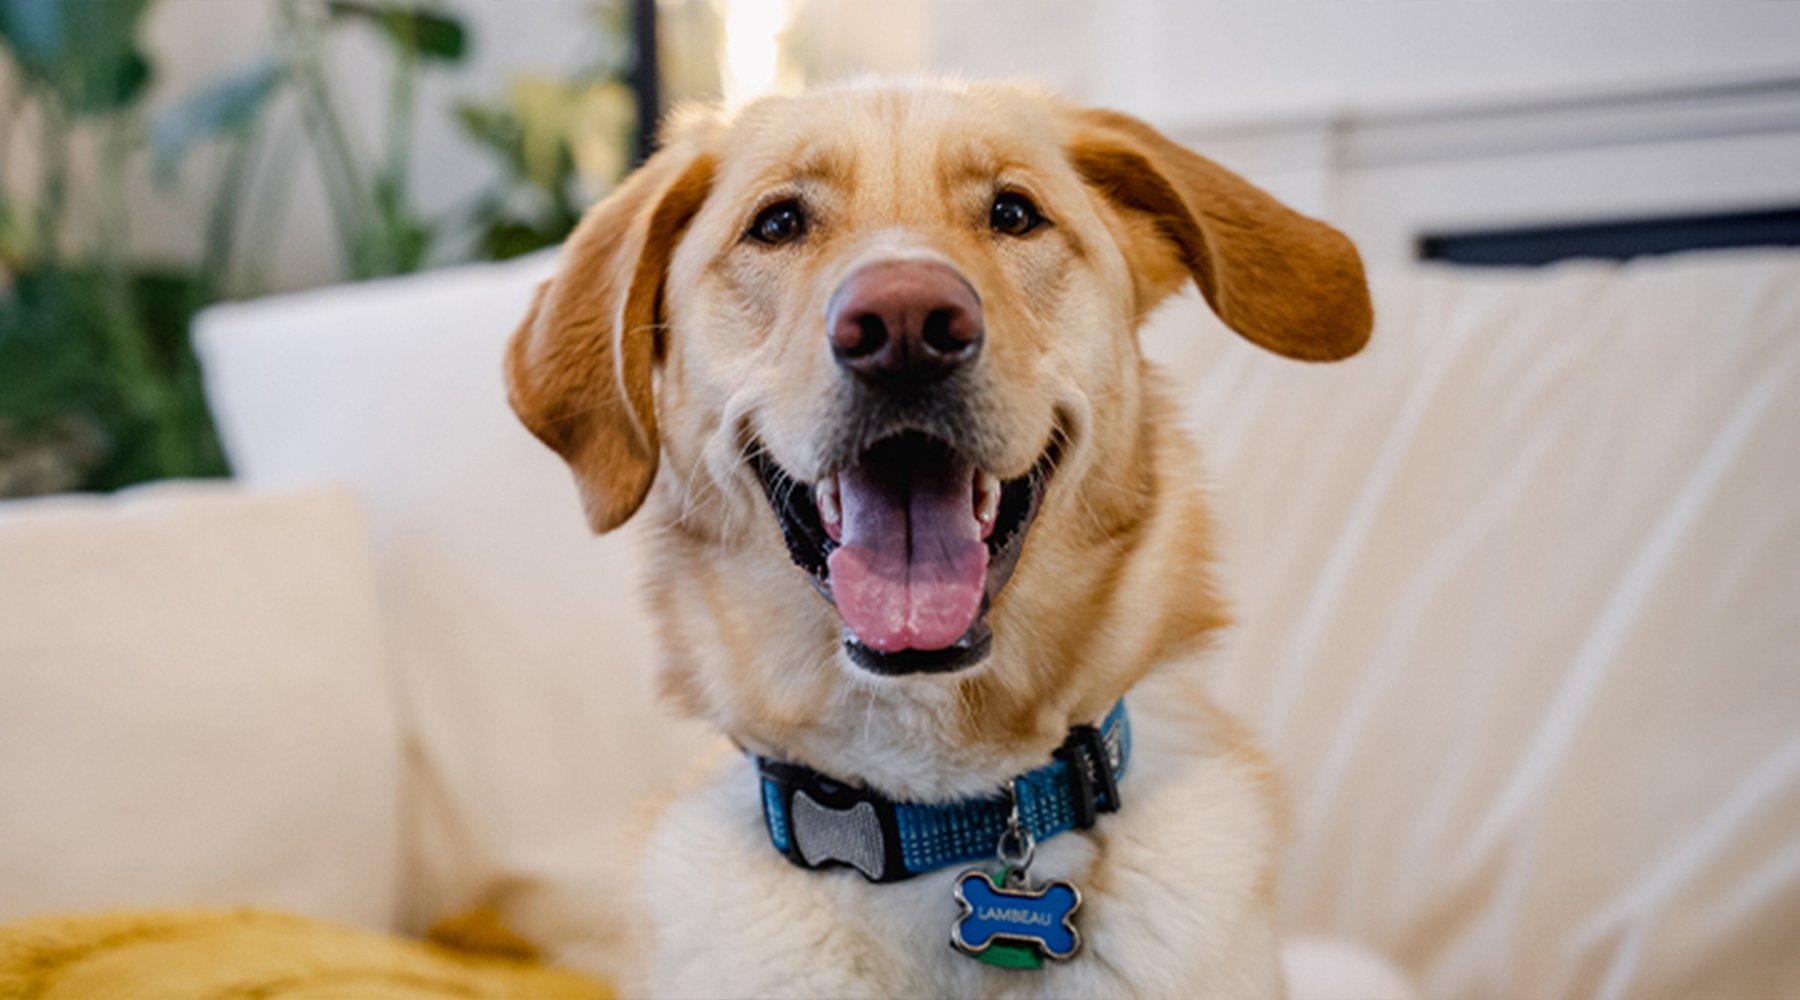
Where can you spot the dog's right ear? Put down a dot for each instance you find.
(579, 372)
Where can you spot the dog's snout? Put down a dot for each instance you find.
(905, 322)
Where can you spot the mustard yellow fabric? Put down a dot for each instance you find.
(242, 954)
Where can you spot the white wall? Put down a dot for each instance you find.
(1233, 58)
(1190, 61)
(1400, 119)
(1195, 67)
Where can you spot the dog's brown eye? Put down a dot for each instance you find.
(1013, 214)
(781, 222)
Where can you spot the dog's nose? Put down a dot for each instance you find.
(904, 323)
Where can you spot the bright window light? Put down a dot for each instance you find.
(752, 46)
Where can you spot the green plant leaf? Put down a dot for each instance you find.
(431, 34)
(543, 106)
(51, 360)
(400, 243)
(83, 50)
(505, 229)
(166, 301)
(108, 86)
(31, 31)
(227, 105)
(506, 240)
(16, 244)
(60, 370)
(491, 126)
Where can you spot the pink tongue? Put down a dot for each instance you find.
(912, 567)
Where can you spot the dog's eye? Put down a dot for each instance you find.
(782, 222)
(1014, 214)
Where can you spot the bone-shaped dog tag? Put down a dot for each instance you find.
(1015, 926)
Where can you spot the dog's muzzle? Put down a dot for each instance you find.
(908, 535)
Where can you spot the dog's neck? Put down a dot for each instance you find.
(918, 739)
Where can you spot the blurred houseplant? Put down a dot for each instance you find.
(98, 386)
(560, 141)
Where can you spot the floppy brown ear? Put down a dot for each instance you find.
(579, 371)
(1286, 282)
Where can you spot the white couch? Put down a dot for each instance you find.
(1518, 594)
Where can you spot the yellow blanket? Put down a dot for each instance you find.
(240, 954)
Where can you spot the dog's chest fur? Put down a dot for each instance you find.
(1174, 895)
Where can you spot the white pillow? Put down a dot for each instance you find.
(194, 707)
(520, 637)
(1519, 605)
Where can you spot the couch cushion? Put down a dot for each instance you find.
(194, 706)
(1519, 605)
(520, 637)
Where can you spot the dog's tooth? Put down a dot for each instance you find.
(830, 512)
(987, 499)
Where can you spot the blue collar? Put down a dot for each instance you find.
(815, 821)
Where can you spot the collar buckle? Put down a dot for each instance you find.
(825, 822)
(1092, 780)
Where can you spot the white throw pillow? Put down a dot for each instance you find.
(523, 647)
(194, 706)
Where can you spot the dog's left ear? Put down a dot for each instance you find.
(579, 371)
(1288, 283)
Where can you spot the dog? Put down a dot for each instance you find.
(928, 546)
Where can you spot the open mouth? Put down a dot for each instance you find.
(911, 543)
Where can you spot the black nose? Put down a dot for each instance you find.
(904, 323)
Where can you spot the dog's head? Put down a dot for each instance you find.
(891, 330)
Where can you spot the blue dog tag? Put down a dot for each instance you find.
(1009, 921)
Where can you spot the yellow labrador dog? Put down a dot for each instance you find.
(929, 547)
